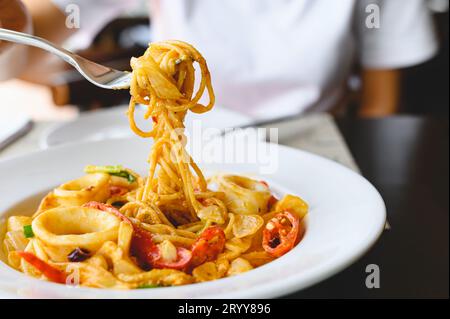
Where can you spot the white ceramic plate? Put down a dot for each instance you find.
(346, 217)
(112, 123)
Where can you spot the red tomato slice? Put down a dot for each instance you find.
(280, 234)
(143, 248)
(142, 245)
(210, 244)
(149, 255)
(52, 273)
(264, 183)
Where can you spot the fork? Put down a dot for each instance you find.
(100, 75)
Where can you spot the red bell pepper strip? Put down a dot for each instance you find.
(52, 273)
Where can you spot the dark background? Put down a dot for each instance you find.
(413, 256)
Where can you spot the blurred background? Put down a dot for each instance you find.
(60, 93)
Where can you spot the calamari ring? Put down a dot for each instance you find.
(81, 227)
(91, 187)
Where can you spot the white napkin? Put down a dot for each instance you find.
(12, 128)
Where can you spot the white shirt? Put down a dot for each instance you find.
(275, 58)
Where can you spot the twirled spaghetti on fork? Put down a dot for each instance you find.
(113, 228)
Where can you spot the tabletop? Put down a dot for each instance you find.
(406, 158)
(316, 133)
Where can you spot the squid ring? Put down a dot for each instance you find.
(81, 227)
(91, 187)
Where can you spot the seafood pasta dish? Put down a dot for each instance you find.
(113, 228)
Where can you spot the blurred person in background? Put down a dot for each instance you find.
(270, 58)
(13, 16)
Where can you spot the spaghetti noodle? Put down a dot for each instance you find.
(114, 229)
(163, 80)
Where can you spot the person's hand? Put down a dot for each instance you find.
(380, 93)
(13, 16)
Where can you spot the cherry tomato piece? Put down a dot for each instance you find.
(210, 244)
(184, 257)
(52, 273)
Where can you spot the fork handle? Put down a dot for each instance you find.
(27, 39)
(100, 75)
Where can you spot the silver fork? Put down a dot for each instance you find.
(95, 73)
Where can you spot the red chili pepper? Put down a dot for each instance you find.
(280, 234)
(210, 244)
(142, 245)
(52, 273)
